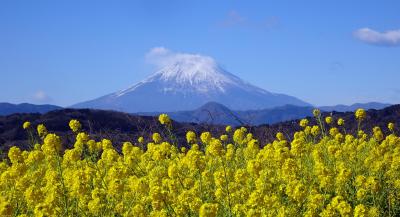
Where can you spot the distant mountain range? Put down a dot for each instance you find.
(216, 113)
(8, 108)
(346, 108)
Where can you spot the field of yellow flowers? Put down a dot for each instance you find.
(322, 172)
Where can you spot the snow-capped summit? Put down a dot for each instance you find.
(192, 73)
(192, 69)
(186, 83)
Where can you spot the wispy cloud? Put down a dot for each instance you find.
(388, 38)
(235, 19)
(41, 97)
(336, 66)
(161, 56)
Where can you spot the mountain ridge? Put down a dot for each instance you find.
(353, 107)
(10, 108)
(215, 113)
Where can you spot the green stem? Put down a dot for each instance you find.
(227, 189)
(65, 197)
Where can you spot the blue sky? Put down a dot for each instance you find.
(324, 52)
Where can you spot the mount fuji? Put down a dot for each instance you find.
(188, 83)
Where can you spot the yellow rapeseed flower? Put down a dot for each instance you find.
(360, 211)
(26, 125)
(15, 155)
(391, 126)
(360, 114)
(303, 123)
(280, 136)
(156, 137)
(42, 130)
(164, 119)
(208, 210)
(6, 208)
(316, 113)
(52, 144)
(74, 125)
(328, 120)
(191, 137)
(224, 137)
(140, 139)
(205, 137)
(340, 122)
(315, 130)
(228, 129)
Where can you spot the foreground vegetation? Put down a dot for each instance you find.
(322, 172)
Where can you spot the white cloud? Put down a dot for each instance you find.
(370, 36)
(161, 57)
(155, 51)
(41, 97)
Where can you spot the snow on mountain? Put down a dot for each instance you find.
(187, 83)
